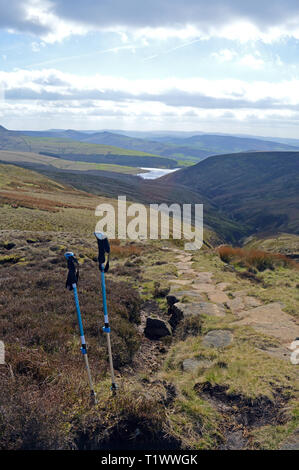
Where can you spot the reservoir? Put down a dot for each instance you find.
(153, 173)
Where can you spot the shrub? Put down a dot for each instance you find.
(254, 259)
(44, 379)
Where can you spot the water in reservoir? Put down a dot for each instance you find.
(153, 173)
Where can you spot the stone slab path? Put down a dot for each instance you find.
(210, 298)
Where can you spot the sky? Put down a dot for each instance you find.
(183, 65)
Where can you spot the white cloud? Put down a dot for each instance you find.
(252, 61)
(37, 46)
(53, 20)
(225, 55)
(50, 85)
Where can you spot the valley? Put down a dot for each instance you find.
(202, 341)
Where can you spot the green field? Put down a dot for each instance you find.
(37, 159)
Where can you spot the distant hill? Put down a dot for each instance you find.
(220, 144)
(258, 189)
(125, 142)
(70, 149)
(178, 146)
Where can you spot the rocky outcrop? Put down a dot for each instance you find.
(179, 311)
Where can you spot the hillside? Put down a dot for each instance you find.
(184, 149)
(80, 151)
(215, 374)
(110, 184)
(258, 189)
(37, 160)
(284, 243)
(221, 144)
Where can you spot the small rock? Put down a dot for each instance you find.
(235, 441)
(156, 328)
(7, 245)
(217, 339)
(292, 442)
(171, 300)
(189, 365)
(31, 240)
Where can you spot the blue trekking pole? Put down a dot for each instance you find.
(71, 284)
(104, 247)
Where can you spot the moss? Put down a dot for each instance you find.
(10, 259)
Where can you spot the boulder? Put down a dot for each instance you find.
(179, 311)
(171, 299)
(156, 328)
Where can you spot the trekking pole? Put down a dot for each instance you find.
(104, 247)
(71, 284)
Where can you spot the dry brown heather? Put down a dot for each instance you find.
(23, 188)
(256, 259)
(43, 382)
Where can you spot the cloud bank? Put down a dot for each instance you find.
(234, 19)
(44, 96)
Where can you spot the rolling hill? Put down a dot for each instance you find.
(220, 144)
(180, 146)
(80, 151)
(258, 189)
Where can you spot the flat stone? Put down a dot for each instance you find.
(182, 282)
(183, 265)
(191, 364)
(223, 285)
(184, 258)
(186, 272)
(217, 339)
(251, 301)
(239, 293)
(218, 297)
(188, 309)
(213, 310)
(203, 287)
(279, 352)
(205, 277)
(236, 305)
(271, 320)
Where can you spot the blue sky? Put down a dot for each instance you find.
(218, 66)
